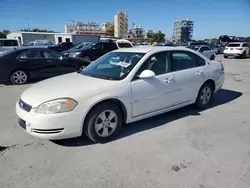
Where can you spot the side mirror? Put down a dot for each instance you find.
(146, 74)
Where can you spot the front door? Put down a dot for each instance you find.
(153, 94)
(188, 69)
(52, 60)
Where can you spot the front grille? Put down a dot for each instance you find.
(48, 131)
(24, 105)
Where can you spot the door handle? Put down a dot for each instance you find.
(199, 73)
(168, 80)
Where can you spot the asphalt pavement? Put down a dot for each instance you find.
(186, 148)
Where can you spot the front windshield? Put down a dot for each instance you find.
(113, 66)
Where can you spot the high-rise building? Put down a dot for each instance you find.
(121, 24)
(183, 31)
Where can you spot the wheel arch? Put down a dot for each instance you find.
(211, 82)
(113, 100)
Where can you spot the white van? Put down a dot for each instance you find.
(9, 44)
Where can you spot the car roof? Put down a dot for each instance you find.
(147, 49)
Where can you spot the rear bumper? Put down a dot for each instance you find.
(232, 54)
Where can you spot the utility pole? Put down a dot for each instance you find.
(27, 17)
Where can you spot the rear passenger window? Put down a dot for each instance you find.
(181, 60)
(124, 45)
(32, 54)
(245, 45)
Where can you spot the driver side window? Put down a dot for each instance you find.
(158, 63)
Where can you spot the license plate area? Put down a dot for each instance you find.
(231, 49)
(22, 123)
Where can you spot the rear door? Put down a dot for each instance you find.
(52, 60)
(189, 75)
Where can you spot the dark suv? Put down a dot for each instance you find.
(92, 52)
(62, 46)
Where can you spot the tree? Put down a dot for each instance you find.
(158, 37)
(247, 39)
(2, 35)
(6, 32)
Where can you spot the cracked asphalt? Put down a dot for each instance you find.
(186, 148)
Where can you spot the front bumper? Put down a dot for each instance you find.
(50, 126)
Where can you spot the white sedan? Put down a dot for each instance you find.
(205, 50)
(122, 86)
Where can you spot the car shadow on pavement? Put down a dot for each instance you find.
(222, 97)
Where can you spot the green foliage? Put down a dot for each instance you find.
(2, 35)
(158, 37)
(247, 39)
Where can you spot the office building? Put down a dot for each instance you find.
(121, 24)
(183, 31)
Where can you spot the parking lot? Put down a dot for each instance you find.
(184, 148)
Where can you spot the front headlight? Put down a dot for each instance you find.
(56, 106)
(76, 54)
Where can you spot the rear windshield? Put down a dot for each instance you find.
(124, 45)
(233, 45)
(8, 43)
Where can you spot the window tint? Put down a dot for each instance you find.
(199, 61)
(233, 45)
(31, 54)
(98, 46)
(201, 49)
(51, 54)
(158, 63)
(110, 46)
(182, 60)
(124, 45)
(245, 45)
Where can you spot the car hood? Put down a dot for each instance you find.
(65, 86)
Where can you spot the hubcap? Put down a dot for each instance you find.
(106, 123)
(19, 77)
(206, 94)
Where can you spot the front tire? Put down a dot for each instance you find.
(103, 122)
(212, 57)
(19, 77)
(205, 96)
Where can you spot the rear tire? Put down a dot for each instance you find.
(205, 96)
(243, 56)
(19, 77)
(103, 122)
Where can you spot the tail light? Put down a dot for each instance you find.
(238, 48)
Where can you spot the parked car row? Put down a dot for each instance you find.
(123, 86)
(205, 50)
(20, 65)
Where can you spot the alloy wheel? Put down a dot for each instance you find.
(19, 77)
(206, 95)
(106, 123)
